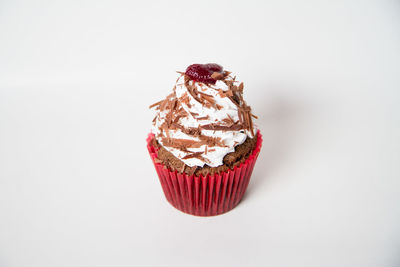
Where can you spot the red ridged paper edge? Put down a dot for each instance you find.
(205, 196)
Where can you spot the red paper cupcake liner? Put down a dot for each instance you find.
(205, 196)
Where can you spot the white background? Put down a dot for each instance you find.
(77, 187)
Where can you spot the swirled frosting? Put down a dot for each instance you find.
(199, 123)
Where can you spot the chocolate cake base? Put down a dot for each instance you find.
(231, 160)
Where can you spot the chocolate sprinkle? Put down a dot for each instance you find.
(217, 127)
(193, 155)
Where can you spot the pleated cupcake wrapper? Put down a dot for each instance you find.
(205, 195)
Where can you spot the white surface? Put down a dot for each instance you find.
(77, 187)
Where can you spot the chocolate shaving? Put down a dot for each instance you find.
(218, 76)
(246, 118)
(167, 133)
(207, 97)
(193, 155)
(207, 105)
(177, 118)
(163, 105)
(241, 86)
(156, 104)
(234, 101)
(175, 125)
(181, 74)
(230, 119)
(164, 129)
(226, 120)
(169, 118)
(173, 104)
(216, 127)
(251, 122)
(240, 115)
(185, 100)
(228, 83)
(178, 143)
(203, 118)
(212, 141)
(189, 131)
(248, 121)
(191, 89)
(227, 93)
(219, 107)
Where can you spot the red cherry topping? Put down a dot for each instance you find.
(203, 72)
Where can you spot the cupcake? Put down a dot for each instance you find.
(203, 142)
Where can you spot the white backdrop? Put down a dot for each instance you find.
(77, 187)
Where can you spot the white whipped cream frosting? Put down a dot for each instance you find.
(231, 138)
